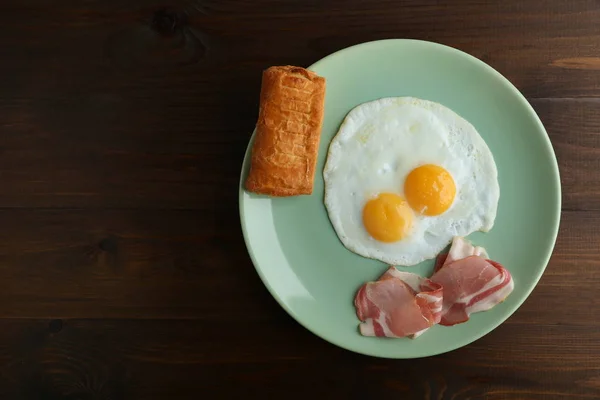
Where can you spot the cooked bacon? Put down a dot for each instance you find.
(471, 282)
(399, 304)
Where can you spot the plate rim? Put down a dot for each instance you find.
(557, 198)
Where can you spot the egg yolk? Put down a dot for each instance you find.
(429, 189)
(387, 217)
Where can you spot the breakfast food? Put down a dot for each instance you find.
(461, 248)
(399, 304)
(288, 131)
(403, 304)
(471, 283)
(403, 176)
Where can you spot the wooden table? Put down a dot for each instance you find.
(124, 273)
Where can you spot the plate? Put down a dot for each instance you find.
(314, 277)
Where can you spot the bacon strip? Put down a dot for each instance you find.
(398, 304)
(471, 282)
(461, 248)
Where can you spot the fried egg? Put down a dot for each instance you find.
(404, 176)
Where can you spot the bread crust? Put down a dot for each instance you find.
(288, 132)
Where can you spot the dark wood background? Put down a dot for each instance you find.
(123, 272)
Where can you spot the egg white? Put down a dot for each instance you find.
(376, 147)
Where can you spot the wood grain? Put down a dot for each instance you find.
(69, 139)
(173, 264)
(574, 128)
(124, 274)
(129, 359)
(169, 171)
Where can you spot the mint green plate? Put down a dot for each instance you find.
(314, 277)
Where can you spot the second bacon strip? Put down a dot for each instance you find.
(472, 283)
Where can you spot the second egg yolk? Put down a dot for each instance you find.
(429, 189)
(387, 217)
